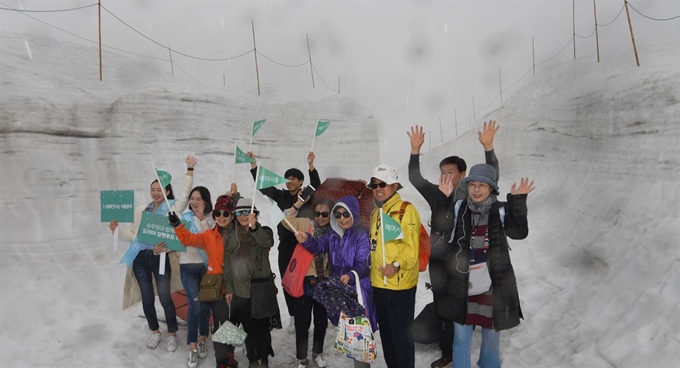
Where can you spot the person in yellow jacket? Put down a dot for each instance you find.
(394, 280)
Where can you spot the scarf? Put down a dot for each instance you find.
(320, 259)
(482, 207)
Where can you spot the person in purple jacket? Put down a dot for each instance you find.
(348, 249)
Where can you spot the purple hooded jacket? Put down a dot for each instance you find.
(347, 250)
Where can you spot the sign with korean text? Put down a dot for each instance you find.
(156, 228)
(117, 205)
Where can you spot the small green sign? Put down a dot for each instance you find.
(257, 125)
(156, 228)
(241, 157)
(321, 126)
(117, 205)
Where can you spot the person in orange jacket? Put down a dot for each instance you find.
(213, 242)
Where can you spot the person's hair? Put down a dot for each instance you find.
(324, 201)
(205, 196)
(459, 162)
(170, 195)
(294, 173)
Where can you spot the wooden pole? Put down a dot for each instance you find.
(500, 86)
(597, 37)
(441, 131)
(101, 75)
(632, 37)
(172, 67)
(474, 113)
(533, 56)
(455, 120)
(257, 70)
(311, 66)
(573, 25)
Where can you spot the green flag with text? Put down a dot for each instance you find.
(266, 179)
(164, 177)
(391, 228)
(321, 126)
(241, 157)
(257, 125)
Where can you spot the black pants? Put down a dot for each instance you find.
(285, 254)
(304, 306)
(437, 270)
(394, 311)
(220, 313)
(259, 340)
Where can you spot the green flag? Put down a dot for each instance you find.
(391, 228)
(241, 157)
(321, 127)
(275, 215)
(267, 179)
(257, 125)
(164, 177)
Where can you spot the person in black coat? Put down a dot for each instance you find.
(480, 288)
(285, 199)
(453, 168)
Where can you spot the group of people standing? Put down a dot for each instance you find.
(469, 230)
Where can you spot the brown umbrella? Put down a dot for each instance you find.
(336, 188)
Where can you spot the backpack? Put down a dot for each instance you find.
(424, 247)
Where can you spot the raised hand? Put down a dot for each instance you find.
(525, 187)
(446, 184)
(251, 155)
(310, 160)
(252, 220)
(191, 162)
(174, 219)
(487, 134)
(417, 138)
(233, 189)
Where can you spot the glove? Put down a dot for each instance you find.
(174, 219)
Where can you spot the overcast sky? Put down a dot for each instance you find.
(409, 61)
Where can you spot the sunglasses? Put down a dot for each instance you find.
(382, 184)
(221, 213)
(321, 214)
(338, 215)
(242, 213)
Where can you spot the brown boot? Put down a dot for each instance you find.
(441, 362)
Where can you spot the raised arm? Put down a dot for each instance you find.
(314, 179)
(516, 225)
(424, 187)
(486, 137)
(182, 201)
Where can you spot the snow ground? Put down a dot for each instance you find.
(599, 275)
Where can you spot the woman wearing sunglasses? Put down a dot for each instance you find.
(212, 242)
(316, 273)
(249, 281)
(348, 250)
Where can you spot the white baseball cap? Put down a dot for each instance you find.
(387, 174)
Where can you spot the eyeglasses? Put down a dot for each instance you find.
(321, 214)
(220, 213)
(242, 213)
(338, 215)
(382, 184)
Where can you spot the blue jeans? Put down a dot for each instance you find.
(145, 267)
(489, 355)
(198, 317)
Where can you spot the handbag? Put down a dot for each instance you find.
(230, 334)
(354, 335)
(211, 288)
(479, 281)
(294, 277)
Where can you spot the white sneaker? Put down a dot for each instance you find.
(320, 361)
(202, 350)
(172, 344)
(291, 326)
(193, 359)
(303, 363)
(153, 340)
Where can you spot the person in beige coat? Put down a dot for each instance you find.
(146, 267)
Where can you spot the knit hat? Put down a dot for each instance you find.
(385, 173)
(483, 173)
(245, 204)
(225, 203)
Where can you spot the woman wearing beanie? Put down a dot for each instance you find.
(348, 250)
(317, 272)
(212, 242)
(481, 289)
(249, 281)
(146, 265)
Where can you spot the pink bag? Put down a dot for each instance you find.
(293, 279)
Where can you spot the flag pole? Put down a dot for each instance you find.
(162, 187)
(257, 178)
(314, 137)
(250, 147)
(289, 224)
(233, 175)
(382, 241)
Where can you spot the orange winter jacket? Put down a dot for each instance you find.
(210, 241)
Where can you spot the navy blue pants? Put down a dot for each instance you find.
(394, 311)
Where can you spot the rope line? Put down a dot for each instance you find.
(45, 11)
(324, 82)
(617, 17)
(184, 71)
(276, 62)
(550, 58)
(514, 84)
(591, 34)
(660, 19)
(175, 51)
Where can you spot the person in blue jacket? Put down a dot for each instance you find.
(348, 250)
